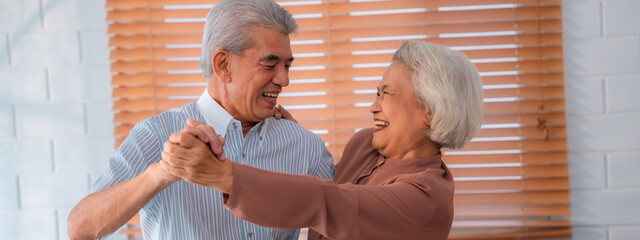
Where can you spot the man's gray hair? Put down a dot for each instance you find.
(448, 84)
(229, 24)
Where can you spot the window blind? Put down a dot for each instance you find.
(511, 180)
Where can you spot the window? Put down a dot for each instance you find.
(511, 180)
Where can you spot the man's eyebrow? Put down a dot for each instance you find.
(271, 58)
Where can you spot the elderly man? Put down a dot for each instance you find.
(246, 55)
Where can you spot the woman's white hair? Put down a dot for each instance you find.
(229, 23)
(448, 84)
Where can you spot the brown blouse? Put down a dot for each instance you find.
(370, 197)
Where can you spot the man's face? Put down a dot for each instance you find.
(258, 76)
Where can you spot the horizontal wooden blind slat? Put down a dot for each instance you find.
(509, 223)
(524, 171)
(337, 9)
(344, 91)
(140, 79)
(527, 118)
(532, 184)
(525, 52)
(509, 210)
(159, 16)
(429, 4)
(341, 31)
(547, 231)
(550, 197)
(344, 71)
(524, 39)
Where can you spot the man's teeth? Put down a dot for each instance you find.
(380, 123)
(271, 95)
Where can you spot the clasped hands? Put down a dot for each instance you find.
(187, 156)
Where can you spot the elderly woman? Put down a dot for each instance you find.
(391, 182)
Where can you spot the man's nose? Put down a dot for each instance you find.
(282, 77)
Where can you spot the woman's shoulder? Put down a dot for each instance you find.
(358, 156)
(360, 144)
(362, 138)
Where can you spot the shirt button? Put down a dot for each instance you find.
(243, 155)
(260, 138)
(250, 234)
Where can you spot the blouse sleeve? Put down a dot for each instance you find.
(342, 211)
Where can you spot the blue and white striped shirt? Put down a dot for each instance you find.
(188, 211)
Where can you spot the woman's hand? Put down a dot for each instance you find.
(280, 112)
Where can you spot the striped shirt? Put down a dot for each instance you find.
(188, 211)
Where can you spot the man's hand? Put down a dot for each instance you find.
(186, 156)
(163, 177)
(207, 135)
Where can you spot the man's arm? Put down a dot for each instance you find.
(105, 211)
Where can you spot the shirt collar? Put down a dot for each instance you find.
(214, 114)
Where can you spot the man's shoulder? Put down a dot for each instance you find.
(291, 129)
(171, 119)
(184, 111)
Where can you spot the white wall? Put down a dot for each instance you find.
(602, 65)
(55, 111)
(55, 118)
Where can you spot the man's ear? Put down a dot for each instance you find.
(221, 65)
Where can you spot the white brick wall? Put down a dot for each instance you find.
(55, 112)
(55, 119)
(602, 69)
(4, 50)
(28, 224)
(42, 49)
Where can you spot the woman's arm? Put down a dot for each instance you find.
(341, 211)
(400, 210)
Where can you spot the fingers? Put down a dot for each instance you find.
(276, 113)
(194, 123)
(175, 171)
(174, 159)
(197, 132)
(221, 156)
(215, 143)
(286, 114)
(198, 128)
(183, 139)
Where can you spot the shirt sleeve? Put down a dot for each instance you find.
(343, 211)
(139, 150)
(324, 167)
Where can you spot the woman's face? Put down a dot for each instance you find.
(401, 123)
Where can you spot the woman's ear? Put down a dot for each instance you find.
(427, 118)
(221, 65)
